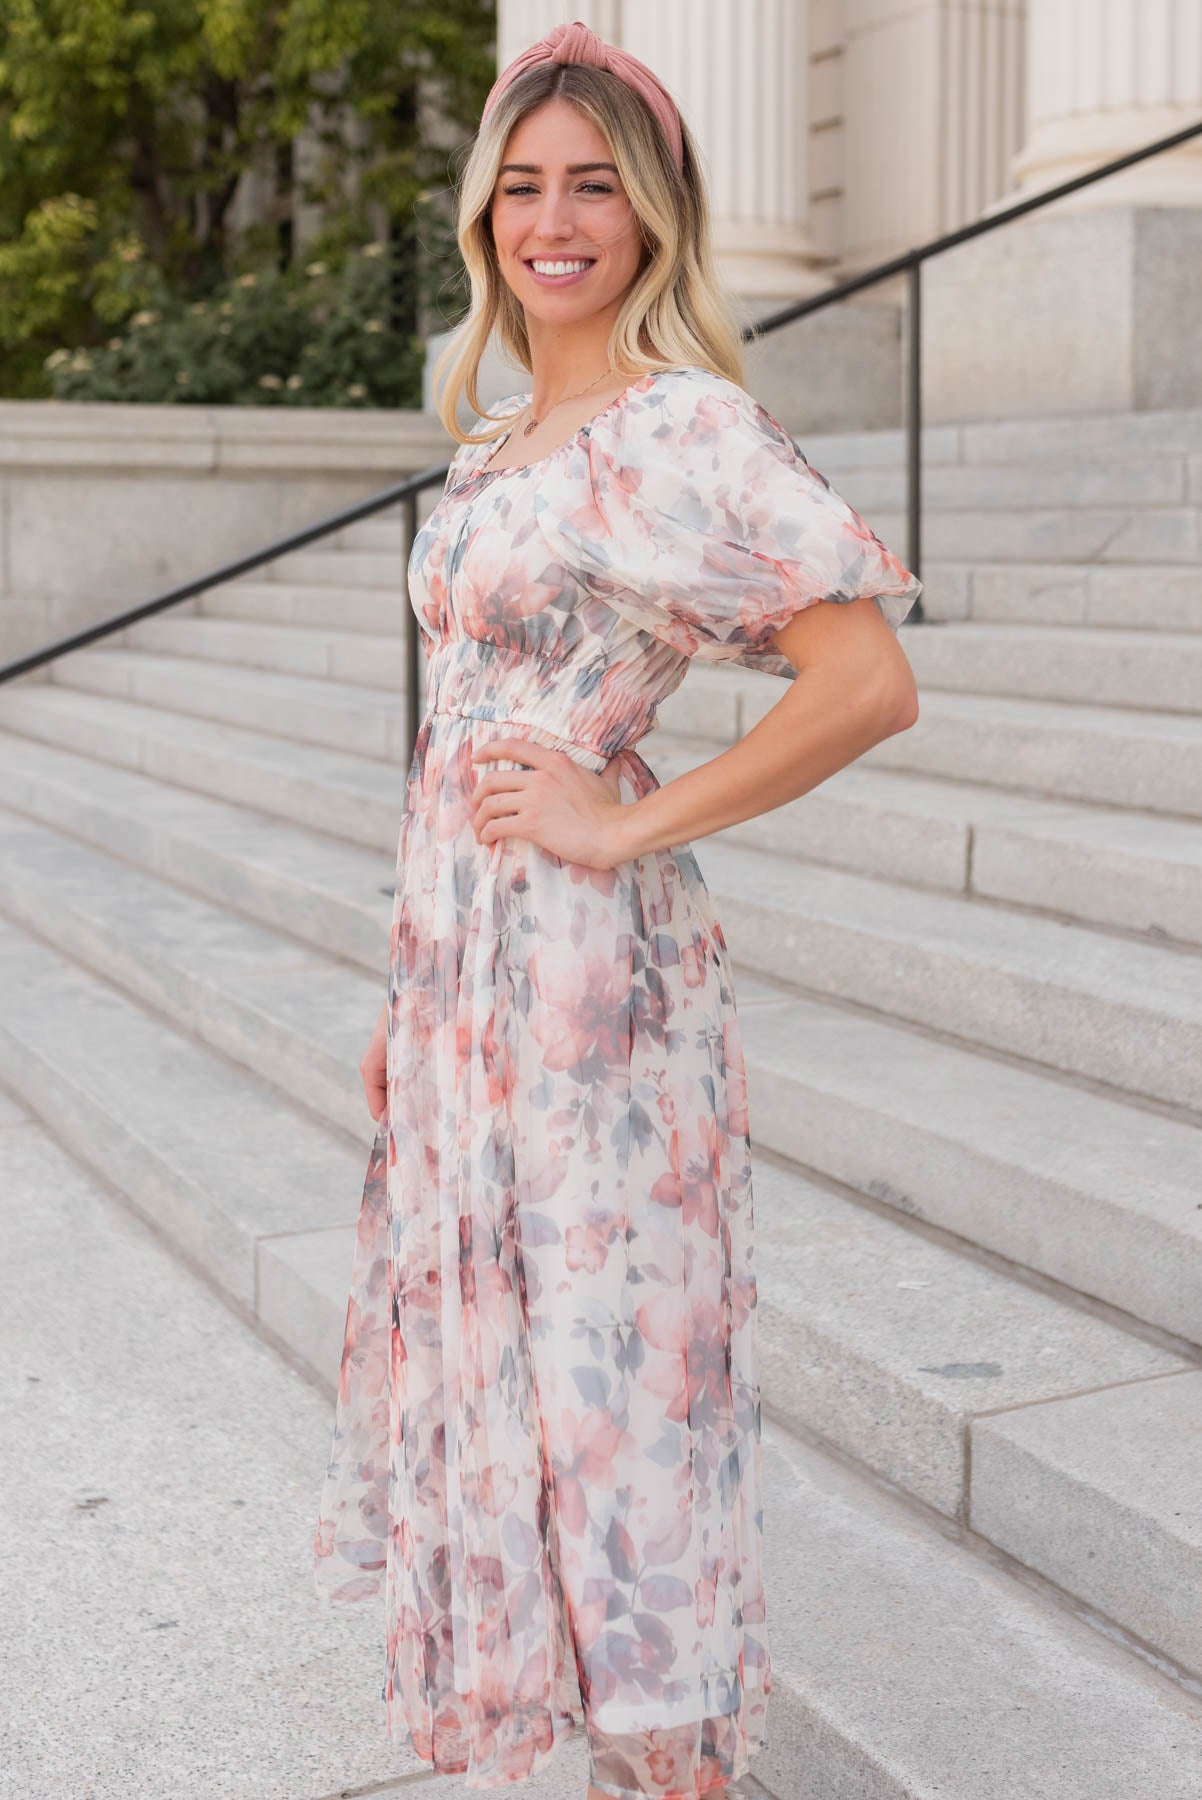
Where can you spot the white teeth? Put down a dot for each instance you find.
(559, 268)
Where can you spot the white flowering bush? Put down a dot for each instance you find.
(315, 335)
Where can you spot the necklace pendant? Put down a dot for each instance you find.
(527, 429)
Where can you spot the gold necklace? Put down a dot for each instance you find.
(527, 429)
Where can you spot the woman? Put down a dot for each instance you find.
(547, 1443)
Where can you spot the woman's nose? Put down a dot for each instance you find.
(555, 215)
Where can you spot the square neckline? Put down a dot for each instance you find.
(649, 375)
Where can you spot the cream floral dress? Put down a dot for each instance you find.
(546, 1450)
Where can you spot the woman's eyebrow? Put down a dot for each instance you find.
(573, 168)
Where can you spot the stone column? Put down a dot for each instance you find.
(1105, 77)
(739, 70)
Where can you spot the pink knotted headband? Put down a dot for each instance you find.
(575, 43)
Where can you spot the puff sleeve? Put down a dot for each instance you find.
(694, 514)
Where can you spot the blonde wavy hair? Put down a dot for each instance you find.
(675, 311)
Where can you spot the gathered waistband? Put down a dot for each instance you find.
(468, 678)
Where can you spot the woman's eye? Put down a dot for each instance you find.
(524, 187)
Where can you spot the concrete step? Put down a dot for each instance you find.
(1130, 1228)
(220, 1164)
(1095, 1193)
(1105, 755)
(1152, 597)
(290, 1014)
(1100, 1493)
(851, 1345)
(355, 798)
(328, 653)
(1157, 671)
(1066, 435)
(1160, 671)
(906, 1667)
(969, 1143)
(1109, 535)
(172, 1461)
(1108, 755)
(362, 721)
(1148, 598)
(322, 891)
(377, 612)
(1150, 479)
(1129, 534)
(889, 1344)
(1095, 864)
(1054, 439)
(1107, 1009)
(1126, 869)
(329, 565)
(880, 1687)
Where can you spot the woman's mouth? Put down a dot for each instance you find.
(559, 271)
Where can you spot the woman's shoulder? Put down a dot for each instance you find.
(691, 390)
(691, 407)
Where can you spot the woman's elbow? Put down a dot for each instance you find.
(895, 700)
(905, 708)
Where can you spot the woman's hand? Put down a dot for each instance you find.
(554, 803)
(374, 1066)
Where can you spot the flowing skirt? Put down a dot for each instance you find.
(546, 1449)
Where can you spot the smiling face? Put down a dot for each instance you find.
(559, 200)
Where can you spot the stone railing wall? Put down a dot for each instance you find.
(104, 505)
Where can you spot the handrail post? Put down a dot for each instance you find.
(914, 429)
(410, 633)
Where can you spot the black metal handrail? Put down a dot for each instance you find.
(908, 263)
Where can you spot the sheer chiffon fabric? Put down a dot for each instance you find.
(546, 1446)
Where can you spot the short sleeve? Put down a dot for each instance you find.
(694, 514)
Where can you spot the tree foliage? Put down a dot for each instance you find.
(127, 127)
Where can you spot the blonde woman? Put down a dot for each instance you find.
(547, 1444)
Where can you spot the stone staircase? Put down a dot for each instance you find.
(969, 971)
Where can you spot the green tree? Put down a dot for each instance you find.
(126, 127)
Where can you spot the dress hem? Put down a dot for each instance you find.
(577, 1728)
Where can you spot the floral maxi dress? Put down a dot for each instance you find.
(546, 1449)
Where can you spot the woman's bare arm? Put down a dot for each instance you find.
(854, 687)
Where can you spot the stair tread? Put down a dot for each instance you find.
(1106, 1148)
(837, 1269)
(902, 1660)
(969, 803)
(340, 768)
(1063, 715)
(995, 934)
(252, 1162)
(152, 916)
(948, 1676)
(1059, 714)
(317, 690)
(205, 625)
(1056, 1485)
(921, 1067)
(1059, 953)
(248, 835)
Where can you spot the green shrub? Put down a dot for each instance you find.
(313, 335)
